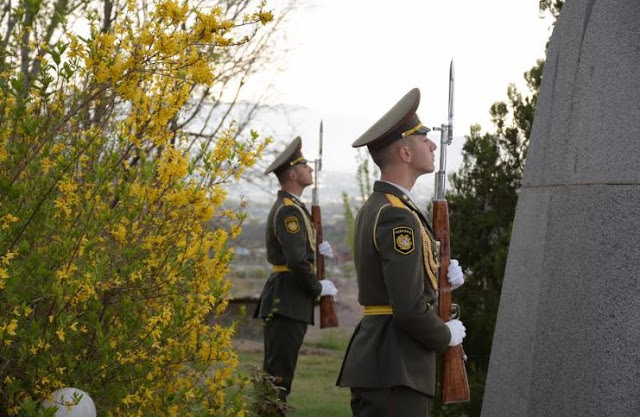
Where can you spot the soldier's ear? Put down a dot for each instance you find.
(286, 175)
(404, 151)
(291, 175)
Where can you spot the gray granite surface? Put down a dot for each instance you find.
(567, 339)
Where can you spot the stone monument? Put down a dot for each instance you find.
(567, 339)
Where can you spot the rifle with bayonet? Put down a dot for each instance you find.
(328, 317)
(454, 385)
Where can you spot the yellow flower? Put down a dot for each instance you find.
(119, 233)
(4, 275)
(60, 334)
(201, 72)
(7, 220)
(7, 258)
(76, 50)
(46, 164)
(172, 11)
(264, 17)
(11, 327)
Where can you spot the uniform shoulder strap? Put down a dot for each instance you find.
(396, 202)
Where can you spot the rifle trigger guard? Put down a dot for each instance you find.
(455, 311)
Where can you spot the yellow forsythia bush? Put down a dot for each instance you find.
(107, 266)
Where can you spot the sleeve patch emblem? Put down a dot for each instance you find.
(403, 241)
(291, 224)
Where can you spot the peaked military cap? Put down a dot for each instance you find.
(290, 156)
(397, 123)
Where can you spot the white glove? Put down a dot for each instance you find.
(325, 249)
(327, 288)
(458, 332)
(454, 274)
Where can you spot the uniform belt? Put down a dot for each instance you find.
(281, 268)
(378, 311)
(285, 268)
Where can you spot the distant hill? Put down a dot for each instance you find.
(260, 194)
(283, 123)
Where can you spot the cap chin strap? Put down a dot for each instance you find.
(413, 130)
(295, 161)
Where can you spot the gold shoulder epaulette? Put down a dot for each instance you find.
(395, 201)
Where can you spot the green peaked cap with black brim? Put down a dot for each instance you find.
(397, 123)
(290, 156)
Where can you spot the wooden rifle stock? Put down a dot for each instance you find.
(454, 385)
(328, 317)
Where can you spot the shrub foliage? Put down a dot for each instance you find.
(108, 260)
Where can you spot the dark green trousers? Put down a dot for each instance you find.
(390, 402)
(282, 340)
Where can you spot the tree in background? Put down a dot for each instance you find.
(552, 6)
(107, 264)
(366, 173)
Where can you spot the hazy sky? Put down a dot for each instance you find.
(351, 60)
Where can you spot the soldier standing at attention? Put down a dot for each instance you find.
(390, 363)
(287, 302)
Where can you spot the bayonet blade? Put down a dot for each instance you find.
(450, 111)
(320, 147)
(317, 165)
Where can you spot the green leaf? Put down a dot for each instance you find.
(30, 126)
(55, 56)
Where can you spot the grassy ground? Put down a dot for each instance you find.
(314, 393)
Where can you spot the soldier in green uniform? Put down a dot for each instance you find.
(390, 364)
(287, 301)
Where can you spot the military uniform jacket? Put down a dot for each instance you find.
(290, 240)
(394, 255)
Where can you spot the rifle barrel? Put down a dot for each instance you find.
(454, 383)
(328, 317)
